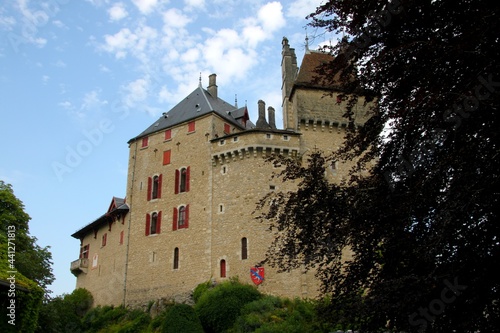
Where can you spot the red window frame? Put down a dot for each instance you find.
(166, 157)
(227, 128)
(180, 212)
(150, 223)
(182, 180)
(154, 187)
(168, 134)
(223, 268)
(84, 251)
(145, 142)
(104, 239)
(191, 126)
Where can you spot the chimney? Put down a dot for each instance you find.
(212, 87)
(261, 122)
(270, 116)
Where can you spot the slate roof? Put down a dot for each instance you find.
(197, 103)
(117, 206)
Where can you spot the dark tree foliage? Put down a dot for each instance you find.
(32, 260)
(423, 225)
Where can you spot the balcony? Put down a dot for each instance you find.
(80, 265)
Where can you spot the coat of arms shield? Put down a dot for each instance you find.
(257, 275)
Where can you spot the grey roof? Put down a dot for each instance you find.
(196, 104)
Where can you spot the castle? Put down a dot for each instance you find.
(194, 178)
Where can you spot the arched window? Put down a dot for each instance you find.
(182, 187)
(244, 248)
(154, 187)
(182, 180)
(182, 217)
(156, 181)
(176, 258)
(222, 268)
(154, 223)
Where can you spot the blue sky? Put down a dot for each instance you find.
(80, 78)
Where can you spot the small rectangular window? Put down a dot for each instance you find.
(227, 129)
(166, 157)
(191, 126)
(104, 238)
(168, 134)
(121, 237)
(84, 252)
(145, 142)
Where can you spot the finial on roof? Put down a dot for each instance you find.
(236, 100)
(307, 42)
(199, 80)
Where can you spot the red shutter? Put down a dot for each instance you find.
(148, 224)
(222, 268)
(150, 184)
(177, 176)
(121, 237)
(168, 134)
(158, 223)
(187, 179)
(166, 157)
(174, 222)
(227, 128)
(159, 186)
(186, 219)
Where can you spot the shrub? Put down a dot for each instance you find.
(181, 318)
(219, 307)
(200, 290)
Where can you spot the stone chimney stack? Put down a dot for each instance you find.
(261, 122)
(271, 117)
(212, 86)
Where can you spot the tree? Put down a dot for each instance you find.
(31, 260)
(422, 226)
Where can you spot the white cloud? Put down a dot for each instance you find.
(271, 16)
(117, 12)
(136, 91)
(145, 6)
(175, 19)
(91, 101)
(301, 8)
(194, 4)
(66, 105)
(136, 42)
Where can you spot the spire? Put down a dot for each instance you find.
(199, 84)
(307, 43)
(235, 100)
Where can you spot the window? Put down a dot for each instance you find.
(153, 223)
(191, 126)
(182, 180)
(268, 136)
(104, 239)
(84, 251)
(121, 237)
(144, 142)
(222, 268)
(166, 157)
(154, 187)
(168, 134)
(176, 258)
(227, 128)
(244, 248)
(181, 217)
(285, 137)
(235, 139)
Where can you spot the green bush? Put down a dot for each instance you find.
(200, 290)
(219, 307)
(275, 315)
(181, 318)
(64, 313)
